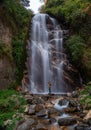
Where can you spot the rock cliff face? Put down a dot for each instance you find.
(5, 34)
(6, 66)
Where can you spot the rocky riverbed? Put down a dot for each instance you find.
(54, 112)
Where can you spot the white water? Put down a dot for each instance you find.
(46, 55)
(59, 107)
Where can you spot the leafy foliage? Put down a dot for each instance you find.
(76, 16)
(18, 19)
(5, 50)
(11, 103)
(86, 96)
(76, 46)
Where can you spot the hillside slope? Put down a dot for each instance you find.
(14, 27)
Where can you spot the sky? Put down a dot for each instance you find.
(35, 5)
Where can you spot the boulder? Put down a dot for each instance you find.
(75, 94)
(82, 127)
(39, 107)
(42, 113)
(52, 120)
(63, 102)
(73, 103)
(25, 124)
(32, 109)
(41, 127)
(67, 121)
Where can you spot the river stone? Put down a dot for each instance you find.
(53, 113)
(70, 109)
(82, 127)
(41, 127)
(31, 109)
(62, 102)
(89, 121)
(73, 103)
(39, 107)
(52, 120)
(42, 113)
(26, 125)
(67, 121)
(75, 94)
(29, 100)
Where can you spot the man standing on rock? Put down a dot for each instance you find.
(49, 87)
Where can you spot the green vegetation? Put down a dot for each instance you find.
(76, 47)
(5, 50)
(86, 96)
(17, 18)
(12, 104)
(75, 15)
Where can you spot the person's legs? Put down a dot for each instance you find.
(49, 90)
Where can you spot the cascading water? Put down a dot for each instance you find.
(46, 56)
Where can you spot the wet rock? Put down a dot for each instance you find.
(39, 107)
(73, 103)
(89, 121)
(50, 27)
(81, 115)
(53, 113)
(24, 124)
(29, 100)
(67, 121)
(42, 113)
(38, 100)
(75, 94)
(70, 109)
(63, 102)
(82, 127)
(52, 120)
(31, 109)
(41, 127)
(69, 94)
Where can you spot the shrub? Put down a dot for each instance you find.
(75, 45)
(11, 103)
(5, 50)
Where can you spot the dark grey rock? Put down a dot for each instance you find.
(73, 103)
(82, 127)
(63, 102)
(26, 125)
(32, 109)
(42, 113)
(67, 121)
(41, 127)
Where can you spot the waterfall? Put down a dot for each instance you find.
(46, 56)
